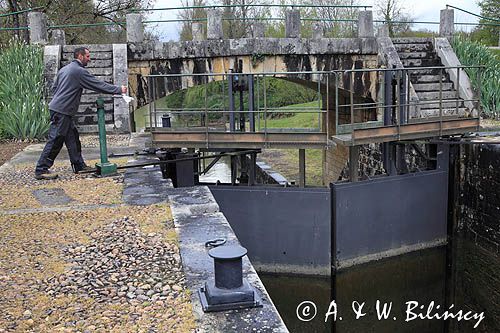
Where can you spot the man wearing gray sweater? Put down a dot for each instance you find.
(67, 91)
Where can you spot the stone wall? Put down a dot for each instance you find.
(109, 64)
(477, 250)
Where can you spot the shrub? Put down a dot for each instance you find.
(473, 54)
(23, 110)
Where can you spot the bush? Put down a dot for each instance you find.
(473, 54)
(23, 110)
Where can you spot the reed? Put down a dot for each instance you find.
(472, 54)
(24, 112)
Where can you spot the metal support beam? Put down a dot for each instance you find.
(432, 154)
(234, 169)
(252, 169)
(230, 80)
(401, 165)
(354, 163)
(251, 103)
(302, 168)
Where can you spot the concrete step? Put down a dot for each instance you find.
(445, 86)
(447, 104)
(429, 72)
(417, 78)
(400, 48)
(412, 40)
(416, 55)
(434, 95)
(421, 62)
(462, 112)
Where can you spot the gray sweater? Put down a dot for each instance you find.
(69, 84)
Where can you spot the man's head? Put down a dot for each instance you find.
(82, 54)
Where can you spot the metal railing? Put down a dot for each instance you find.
(344, 95)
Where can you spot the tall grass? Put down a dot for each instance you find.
(23, 110)
(472, 54)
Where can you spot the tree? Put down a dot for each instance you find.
(488, 34)
(238, 20)
(190, 15)
(393, 13)
(61, 12)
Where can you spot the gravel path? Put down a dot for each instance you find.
(75, 258)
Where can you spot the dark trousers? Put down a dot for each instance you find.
(62, 131)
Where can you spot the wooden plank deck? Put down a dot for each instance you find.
(169, 138)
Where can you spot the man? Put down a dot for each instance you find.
(67, 91)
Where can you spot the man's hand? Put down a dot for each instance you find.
(124, 89)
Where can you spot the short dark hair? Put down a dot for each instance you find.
(78, 51)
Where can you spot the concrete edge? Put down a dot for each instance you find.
(449, 59)
(197, 219)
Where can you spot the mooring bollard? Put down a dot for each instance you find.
(228, 289)
(104, 168)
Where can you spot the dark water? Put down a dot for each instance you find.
(418, 276)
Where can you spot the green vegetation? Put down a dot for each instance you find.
(297, 120)
(472, 54)
(487, 34)
(23, 110)
(279, 93)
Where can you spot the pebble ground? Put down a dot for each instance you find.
(88, 263)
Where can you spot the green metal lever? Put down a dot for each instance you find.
(104, 168)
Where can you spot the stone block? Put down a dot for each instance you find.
(446, 23)
(37, 23)
(365, 24)
(135, 28)
(292, 23)
(214, 24)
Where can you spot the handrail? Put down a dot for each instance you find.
(466, 11)
(251, 5)
(20, 11)
(313, 72)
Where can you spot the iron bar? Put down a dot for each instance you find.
(265, 110)
(215, 160)
(249, 5)
(351, 95)
(398, 102)
(20, 11)
(236, 153)
(440, 101)
(458, 89)
(206, 109)
(409, 69)
(327, 106)
(336, 102)
(474, 14)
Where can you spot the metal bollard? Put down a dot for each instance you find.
(228, 290)
(104, 168)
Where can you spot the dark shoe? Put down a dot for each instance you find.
(47, 175)
(81, 168)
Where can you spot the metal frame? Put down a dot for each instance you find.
(402, 127)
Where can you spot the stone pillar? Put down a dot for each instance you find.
(365, 24)
(197, 31)
(383, 31)
(135, 28)
(214, 24)
(58, 37)
(51, 61)
(317, 31)
(292, 23)
(446, 20)
(259, 29)
(37, 23)
(120, 78)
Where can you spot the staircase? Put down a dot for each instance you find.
(419, 52)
